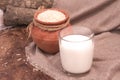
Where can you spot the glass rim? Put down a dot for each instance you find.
(89, 37)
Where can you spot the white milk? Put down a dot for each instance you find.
(76, 53)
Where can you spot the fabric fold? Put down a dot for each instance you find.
(103, 17)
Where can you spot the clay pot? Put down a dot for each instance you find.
(47, 40)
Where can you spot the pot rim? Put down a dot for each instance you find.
(51, 23)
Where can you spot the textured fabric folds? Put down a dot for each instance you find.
(103, 17)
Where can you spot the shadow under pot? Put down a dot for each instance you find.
(46, 25)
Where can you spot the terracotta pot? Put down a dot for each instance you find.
(47, 40)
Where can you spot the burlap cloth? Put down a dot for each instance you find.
(103, 17)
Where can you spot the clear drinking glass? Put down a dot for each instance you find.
(76, 49)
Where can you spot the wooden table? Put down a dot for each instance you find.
(13, 64)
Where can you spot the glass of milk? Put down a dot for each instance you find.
(76, 49)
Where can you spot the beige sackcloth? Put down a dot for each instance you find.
(103, 17)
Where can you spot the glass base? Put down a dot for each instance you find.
(75, 74)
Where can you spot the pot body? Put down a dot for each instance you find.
(47, 40)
